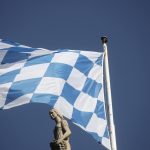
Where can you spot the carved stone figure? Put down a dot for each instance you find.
(61, 132)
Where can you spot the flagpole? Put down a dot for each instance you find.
(109, 97)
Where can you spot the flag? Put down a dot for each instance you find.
(71, 81)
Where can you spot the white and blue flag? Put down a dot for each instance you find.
(71, 81)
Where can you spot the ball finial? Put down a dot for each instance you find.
(104, 39)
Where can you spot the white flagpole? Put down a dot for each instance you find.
(109, 97)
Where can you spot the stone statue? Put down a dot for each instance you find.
(61, 132)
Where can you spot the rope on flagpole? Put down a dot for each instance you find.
(109, 97)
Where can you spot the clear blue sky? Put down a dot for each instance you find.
(79, 24)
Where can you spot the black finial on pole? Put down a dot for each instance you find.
(104, 39)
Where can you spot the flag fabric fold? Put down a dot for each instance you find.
(71, 81)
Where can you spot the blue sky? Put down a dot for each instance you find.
(79, 24)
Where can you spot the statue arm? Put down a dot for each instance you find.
(67, 129)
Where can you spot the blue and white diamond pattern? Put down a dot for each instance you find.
(69, 80)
